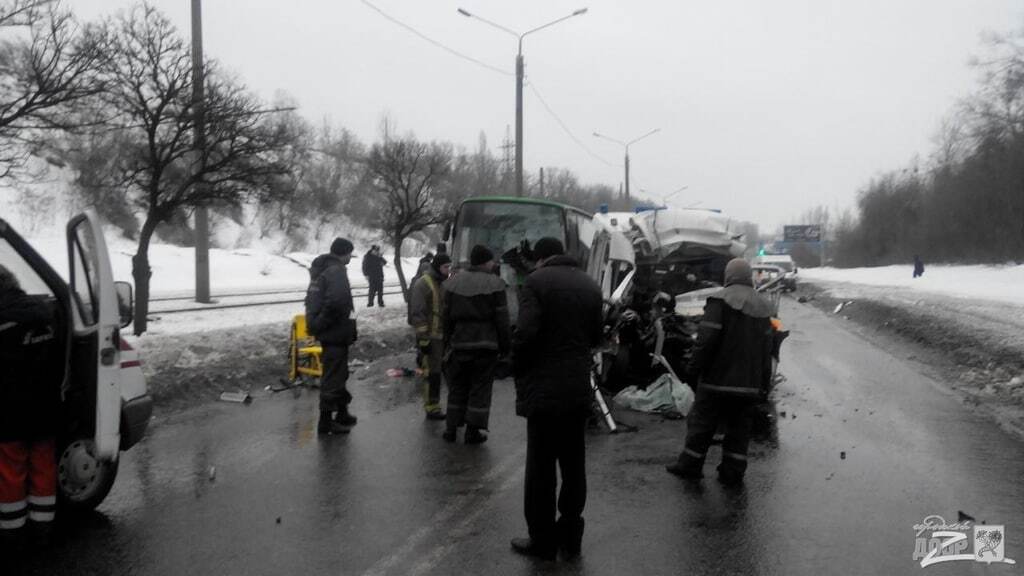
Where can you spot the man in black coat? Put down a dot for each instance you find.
(559, 326)
(732, 369)
(373, 270)
(31, 372)
(329, 318)
(476, 331)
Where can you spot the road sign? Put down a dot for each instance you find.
(802, 233)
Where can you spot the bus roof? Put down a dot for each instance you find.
(519, 200)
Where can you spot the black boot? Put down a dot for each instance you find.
(343, 418)
(327, 425)
(474, 436)
(449, 435)
(527, 547)
(570, 537)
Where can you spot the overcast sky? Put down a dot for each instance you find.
(765, 108)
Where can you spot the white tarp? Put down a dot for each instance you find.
(666, 395)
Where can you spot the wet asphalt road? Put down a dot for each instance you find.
(393, 498)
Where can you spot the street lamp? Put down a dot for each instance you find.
(519, 82)
(625, 146)
(666, 198)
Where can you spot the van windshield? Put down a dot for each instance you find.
(501, 226)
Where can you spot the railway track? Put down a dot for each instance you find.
(221, 304)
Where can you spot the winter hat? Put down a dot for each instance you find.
(738, 271)
(480, 255)
(547, 247)
(440, 260)
(341, 247)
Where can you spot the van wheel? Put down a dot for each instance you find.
(83, 481)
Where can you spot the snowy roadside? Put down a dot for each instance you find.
(191, 358)
(974, 345)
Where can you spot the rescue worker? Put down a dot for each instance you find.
(30, 382)
(426, 302)
(421, 268)
(559, 326)
(476, 333)
(373, 270)
(329, 310)
(732, 369)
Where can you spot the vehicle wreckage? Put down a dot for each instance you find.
(655, 268)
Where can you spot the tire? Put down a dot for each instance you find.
(82, 481)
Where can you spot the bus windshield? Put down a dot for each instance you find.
(501, 226)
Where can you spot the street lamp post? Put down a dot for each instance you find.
(199, 105)
(519, 82)
(625, 146)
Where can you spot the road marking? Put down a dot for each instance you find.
(454, 509)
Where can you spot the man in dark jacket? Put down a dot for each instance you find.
(30, 379)
(329, 318)
(373, 270)
(426, 304)
(732, 370)
(559, 326)
(476, 332)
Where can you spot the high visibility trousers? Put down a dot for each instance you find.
(28, 482)
(708, 413)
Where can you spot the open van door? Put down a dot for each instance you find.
(96, 325)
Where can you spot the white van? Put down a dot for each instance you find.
(106, 406)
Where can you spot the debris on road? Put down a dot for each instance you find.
(842, 455)
(401, 372)
(212, 473)
(240, 397)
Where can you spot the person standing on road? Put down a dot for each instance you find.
(559, 326)
(476, 332)
(732, 369)
(30, 382)
(426, 305)
(329, 310)
(373, 270)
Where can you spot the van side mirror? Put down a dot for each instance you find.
(125, 303)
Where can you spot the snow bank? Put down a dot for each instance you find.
(993, 283)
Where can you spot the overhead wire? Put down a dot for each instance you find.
(436, 43)
(565, 128)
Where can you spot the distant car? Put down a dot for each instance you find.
(106, 406)
(784, 262)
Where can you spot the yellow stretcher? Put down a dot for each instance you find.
(304, 353)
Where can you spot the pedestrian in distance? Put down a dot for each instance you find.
(373, 270)
(918, 266)
(559, 326)
(476, 332)
(329, 310)
(426, 304)
(30, 404)
(731, 368)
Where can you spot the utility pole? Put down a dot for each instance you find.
(519, 81)
(627, 173)
(541, 181)
(199, 141)
(625, 147)
(519, 119)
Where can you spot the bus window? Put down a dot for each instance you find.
(502, 226)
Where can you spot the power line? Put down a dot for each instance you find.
(423, 36)
(565, 128)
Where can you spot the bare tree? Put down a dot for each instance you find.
(44, 75)
(149, 89)
(404, 175)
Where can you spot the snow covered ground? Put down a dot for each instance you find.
(991, 283)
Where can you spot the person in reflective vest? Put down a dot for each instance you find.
(476, 332)
(732, 370)
(30, 380)
(426, 302)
